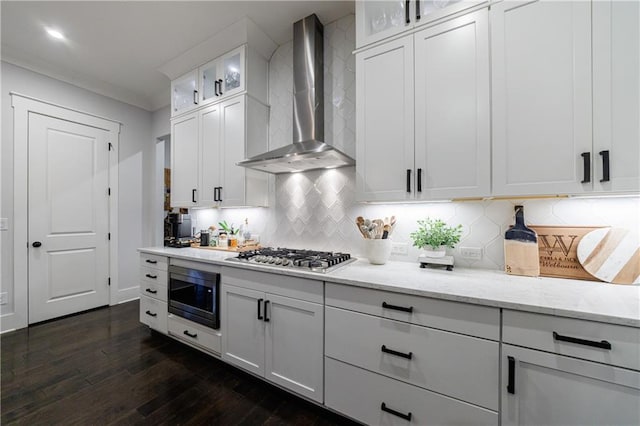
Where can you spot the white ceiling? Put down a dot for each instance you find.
(115, 48)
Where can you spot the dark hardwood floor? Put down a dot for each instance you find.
(104, 367)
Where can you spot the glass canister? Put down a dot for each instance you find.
(204, 238)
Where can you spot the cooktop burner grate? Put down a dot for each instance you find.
(316, 261)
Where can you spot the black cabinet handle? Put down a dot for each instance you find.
(215, 87)
(511, 385)
(605, 166)
(406, 12)
(417, 10)
(151, 314)
(397, 308)
(419, 185)
(408, 180)
(151, 291)
(195, 97)
(193, 336)
(603, 344)
(220, 193)
(266, 318)
(151, 276)
(151, 261)
(215, 193)
(396, 353)
(259, 313)
(384, 407)
(586, 159)
(193, 195)
(220, 86)
(36, 244)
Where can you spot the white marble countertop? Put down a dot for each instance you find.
(596, 301)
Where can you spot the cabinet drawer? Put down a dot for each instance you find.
(153, 261)
(360, 394)
(194, 334)
(274, 283)
(616, 344)
(480, 321)
(154, 289)
(153, 313)
(153, 275)
(460, 366)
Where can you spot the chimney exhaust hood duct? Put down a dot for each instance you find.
(308, 150)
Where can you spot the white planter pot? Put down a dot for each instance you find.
(438, 252)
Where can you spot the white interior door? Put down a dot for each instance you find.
(68, 216)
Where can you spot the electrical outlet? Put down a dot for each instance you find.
(401, 249)
(471, 253)
(3, 298)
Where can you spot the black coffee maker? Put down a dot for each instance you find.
(180, 226)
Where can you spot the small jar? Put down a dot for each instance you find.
(223, 241)
(233, 241)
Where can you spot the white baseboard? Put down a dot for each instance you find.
(127, 294)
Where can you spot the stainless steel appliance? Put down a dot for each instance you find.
(194, 295)
(310, 260)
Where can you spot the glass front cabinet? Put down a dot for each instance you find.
(223, 77)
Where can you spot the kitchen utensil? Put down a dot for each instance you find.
(612, 255)
(558, 251)
(521, 248)
(360, 225)
(385, 232)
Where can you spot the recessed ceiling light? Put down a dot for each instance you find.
(55, 34)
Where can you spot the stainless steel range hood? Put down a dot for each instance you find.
(308, 151)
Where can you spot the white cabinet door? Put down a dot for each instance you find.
(616, 95)
(541, 71)
(384, 122)
(209, 75)
(185, 161)
(233, 185)
(184, 93)
(452, 147)
(376, 19)
(242, 331)
(232, 72)
(294, 345)
(540, 388)
(210, 158)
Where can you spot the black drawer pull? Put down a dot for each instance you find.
(397, 308)
(384, 407)
(511, 385)
(151, 276)
(586, 160)
(408, 180)
(151, 261)
(151, 314)
(396, 353)
(605, 166)
(259, 313)
(151, 291)
(603, 344)
(194, 335)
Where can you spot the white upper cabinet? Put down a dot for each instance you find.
(452, 109)
(223, 77)
(541, 68)
(185, 160)
(616, 95)
(184, 93)
(384, 122)
(377, 20)
(422, 114)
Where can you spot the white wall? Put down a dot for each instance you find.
(136, 160)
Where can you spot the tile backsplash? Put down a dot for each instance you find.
(317, 209)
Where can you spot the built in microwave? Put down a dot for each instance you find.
(194, 295)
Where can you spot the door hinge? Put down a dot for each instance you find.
(109, 146)
(109, 236)
(109, 280)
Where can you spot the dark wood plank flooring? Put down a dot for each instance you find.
(104, 367)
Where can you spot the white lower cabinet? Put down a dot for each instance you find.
(272, 335)
(194, 334)
(153, 312)
(153, 291)
(378, 400)
(541, 388)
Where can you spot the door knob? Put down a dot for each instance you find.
(36, 244)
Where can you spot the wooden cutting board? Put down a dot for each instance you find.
(558, 251)
(612, 255)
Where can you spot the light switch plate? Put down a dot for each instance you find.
(4, 224)
(471, 253)
(401, 249)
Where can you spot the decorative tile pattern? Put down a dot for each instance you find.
(317, 209)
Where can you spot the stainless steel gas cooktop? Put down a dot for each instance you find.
(310, 260)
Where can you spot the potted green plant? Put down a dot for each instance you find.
(434, 236)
